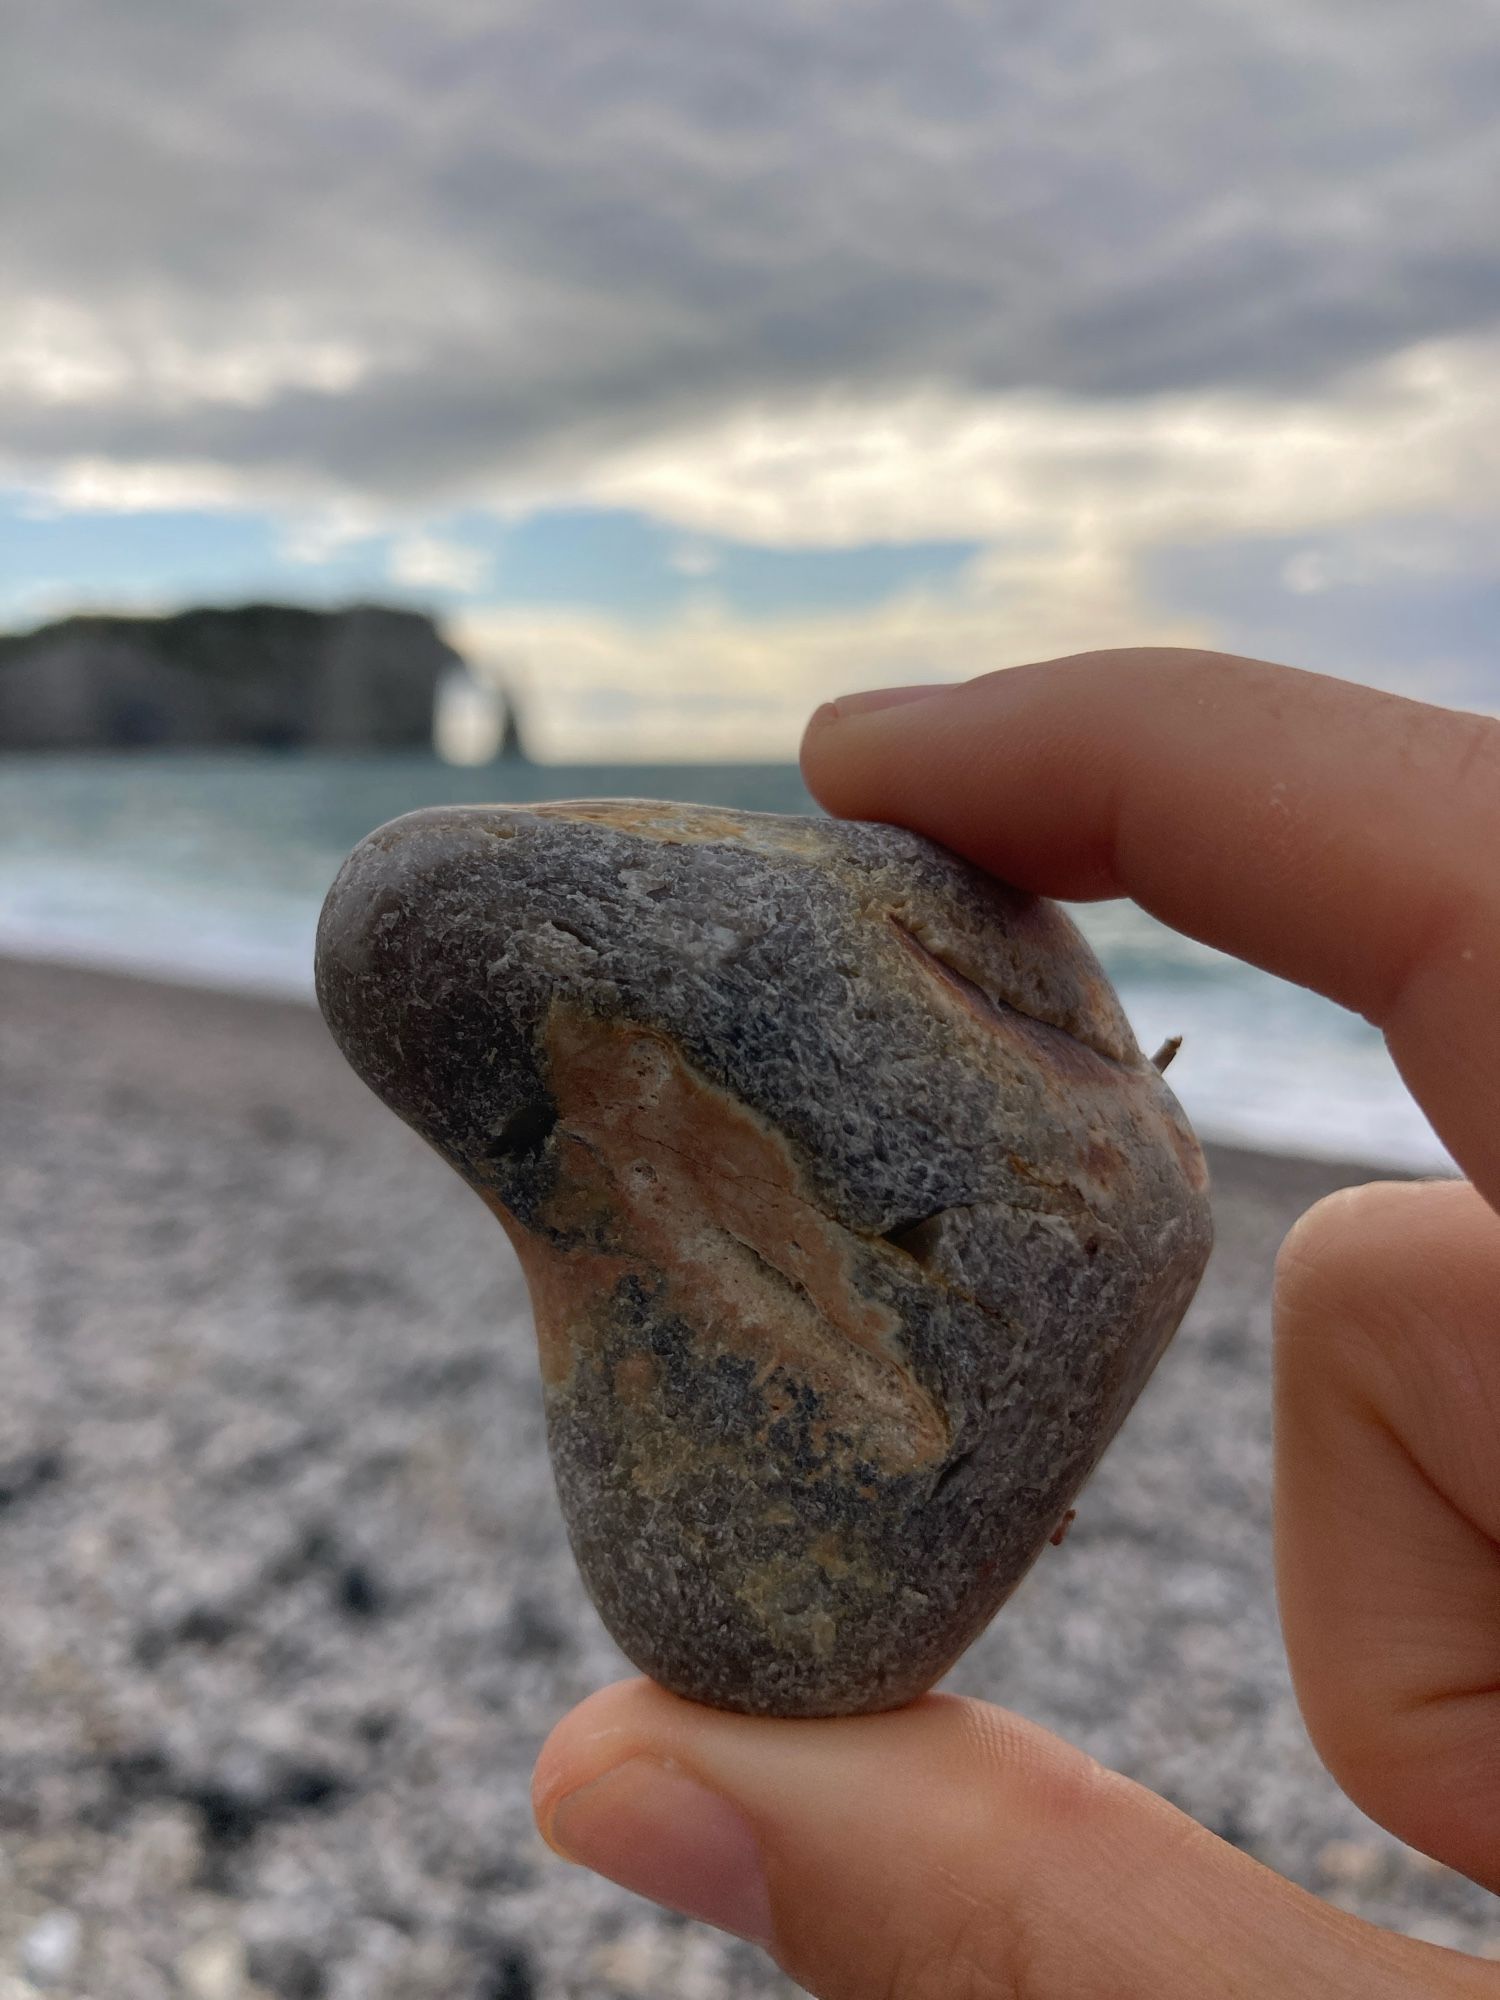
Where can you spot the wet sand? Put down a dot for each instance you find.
(288, 1607)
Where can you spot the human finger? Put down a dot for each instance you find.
(948, 1851)
(1344, 838)
(1388, 1505)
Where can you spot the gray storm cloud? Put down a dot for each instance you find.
(391, 245)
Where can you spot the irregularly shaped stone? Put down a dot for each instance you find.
(853, 1216)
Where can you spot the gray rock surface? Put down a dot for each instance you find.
(288, 1604)
(854, 1218)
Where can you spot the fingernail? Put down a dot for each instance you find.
(656, 1831)
(873, 698)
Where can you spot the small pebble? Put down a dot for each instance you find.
(51, 1948)
(1352, 1864)
(214, 1968)
(647, 1962)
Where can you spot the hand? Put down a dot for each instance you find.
(1349, 841)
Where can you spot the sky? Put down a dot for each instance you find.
(698, 362)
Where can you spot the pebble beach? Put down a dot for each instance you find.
(288, 1606)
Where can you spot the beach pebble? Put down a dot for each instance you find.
(50, 1950)
(853, 1216)
(214, 1968)
(1353, 1864)
(647, 1961)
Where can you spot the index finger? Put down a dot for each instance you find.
(1346, 839)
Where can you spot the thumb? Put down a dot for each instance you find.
(948, 1851)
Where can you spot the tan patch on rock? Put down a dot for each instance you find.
(789, 1609)
(706, 1195)
(686, 825)
(1104, 1164)
(567, 1291)
(1189, 1153)
(636, 1379)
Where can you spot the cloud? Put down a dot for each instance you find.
(1127, 521)
(320, 534)
(424, 252)
(1121, 293)
(428, 562)
(1421, 429)
(55, 354)
(694, 559)
(101, 485)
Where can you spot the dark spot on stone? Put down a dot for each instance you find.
(525, 1132)
(316, 1547)
(24, 1477)
(138, 1777)
(270, 1467)
(357, 1593)
(446, 1375)
(229, 1818)
(336, 1285)
(206, 1625)
(232, 1815)
(273, 1123)
(309, 1788)
(288, 1970)
(508, 1976)
(953, 1472)
(919, 1239)
(499, 1875)
(533, 1631)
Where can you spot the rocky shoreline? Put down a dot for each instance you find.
(288, 1604)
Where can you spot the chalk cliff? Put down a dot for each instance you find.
(267, 675)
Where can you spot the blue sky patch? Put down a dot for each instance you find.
(619, 563)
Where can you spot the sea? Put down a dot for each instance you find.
(210, 869)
